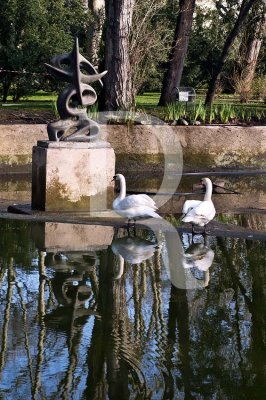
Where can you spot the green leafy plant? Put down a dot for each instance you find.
(93, 112)
(175, 111)
(259, 88)
(248, 115)
(240, 112)
(213, 114)
(258, 114)
(199, 112)
(54, 109)
(226, 113)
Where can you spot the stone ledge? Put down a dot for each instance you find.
(73, 145)
(202, 146)
(109, 218)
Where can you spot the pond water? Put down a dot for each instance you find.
(151, 316)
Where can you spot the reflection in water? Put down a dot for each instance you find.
(132, 250)
(140, 336)
(76, 304)
(198, 258)
(187, 269)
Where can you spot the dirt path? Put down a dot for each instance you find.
(8, 116)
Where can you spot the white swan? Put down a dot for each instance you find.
(134, 206)
(200, 212)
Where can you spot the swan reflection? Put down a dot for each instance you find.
(133, 250)
(198, 258)
(187, 268)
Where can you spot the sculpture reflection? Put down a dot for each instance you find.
(74, 286)
(145, 339)
(70, 287)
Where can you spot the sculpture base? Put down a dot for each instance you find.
(72, 176)
(54, 237)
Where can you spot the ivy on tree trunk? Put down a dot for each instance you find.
(95, 30)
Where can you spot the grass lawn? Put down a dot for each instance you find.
(148, 103)
(39, 101)
(150, 100)
(147, 100)
(46, 100)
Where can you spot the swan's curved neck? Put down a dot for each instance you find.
(122, 193)
(208, 193)
(120, 266)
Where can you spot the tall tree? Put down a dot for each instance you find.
(245, 8)
(95, 30)
(250, 46)
(118, 91)
(148, 42)
(173, 73)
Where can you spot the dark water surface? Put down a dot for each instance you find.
(146, 317)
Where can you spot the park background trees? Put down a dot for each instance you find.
(30, 34)
(173, 73)
(215, 45)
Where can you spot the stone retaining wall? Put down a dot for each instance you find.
(139, 148)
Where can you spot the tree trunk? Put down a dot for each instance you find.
(118, 93)
(6, 87)
(251, 46)
(248, 71)
(95, 30)
(173, 73)
(243, 14)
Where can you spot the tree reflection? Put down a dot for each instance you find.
(249, 283)
(6, 319)
(84, 328)
(112, 351)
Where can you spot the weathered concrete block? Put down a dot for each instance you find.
(72, 176)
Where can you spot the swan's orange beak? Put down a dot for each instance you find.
(198, 187)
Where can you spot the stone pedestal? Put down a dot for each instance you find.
(72, 176)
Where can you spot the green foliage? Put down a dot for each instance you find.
(199, 112)
(55, 110)
(209, 32)
(213, 112)
(175, 111)
(93, 111)
(204, 48)
(149, 43)
(226, 113)
(30, 34)
(259, 88)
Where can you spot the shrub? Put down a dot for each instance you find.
(259, 88)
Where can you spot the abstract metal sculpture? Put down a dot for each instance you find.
(74, 124)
